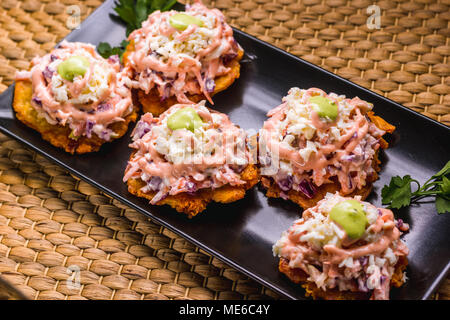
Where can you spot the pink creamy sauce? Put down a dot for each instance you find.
(332, 159)
(110, 107)
(301, 254)
(191, 174)
(181, 73)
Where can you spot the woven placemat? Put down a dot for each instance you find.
(50, 221)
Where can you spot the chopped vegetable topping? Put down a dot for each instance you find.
(323, 249)
(186, 149)
(314, 138)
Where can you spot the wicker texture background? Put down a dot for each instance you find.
(50, 220)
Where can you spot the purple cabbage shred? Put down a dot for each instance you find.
(166, 93)
(307, 188)
(284, 196)
(103, 107)
(351, 158)
(37, 101)
(228, 57)
(141, 129)
(154, 183)
(47, 73)
(363, 260)
(105, 135)
(89, 126)
(362, 285)
(190, 187)
(350, 183)
(286, 183)
(210, 85)
(113, 59)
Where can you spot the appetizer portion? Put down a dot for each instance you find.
(344, 248)
(181, 57)
(315, 143)
(76, 99)
(188, 157)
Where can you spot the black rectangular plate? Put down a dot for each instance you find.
(242, 233)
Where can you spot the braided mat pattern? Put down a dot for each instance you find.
(50, 221)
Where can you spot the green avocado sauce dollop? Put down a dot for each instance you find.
(324, 107)
(185, 118)
(350, 216)
(181, 21)
(73, 67)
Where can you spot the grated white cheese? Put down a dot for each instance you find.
(294, 128)
(94, 90)
(170, 46)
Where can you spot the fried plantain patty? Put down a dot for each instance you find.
(273, 190)
(152, 103)
(58, 135)
(298, 276)
(196, 203)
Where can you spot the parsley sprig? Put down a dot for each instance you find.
(133, 13)
(399, 194)
(105, 49)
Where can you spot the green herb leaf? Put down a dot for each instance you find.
(141, 12)
(133, 13)
(398, 193)
(444, 171)
(105, 50)
(157, 4)
(442, 205)
(126, 14)
(445, 186)
(168, 5)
